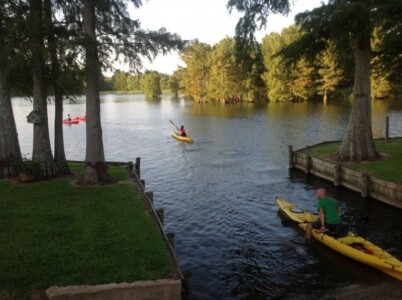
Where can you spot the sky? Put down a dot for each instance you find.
(207, 20)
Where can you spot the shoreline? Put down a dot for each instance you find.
(366, 183)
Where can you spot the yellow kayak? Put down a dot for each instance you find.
(186, 139)
(351, 245)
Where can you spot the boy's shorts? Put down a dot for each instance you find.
(317, 225)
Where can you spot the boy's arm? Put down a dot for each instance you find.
(322, 218)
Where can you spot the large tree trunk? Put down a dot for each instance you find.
(358, 143)
(96, 171)
(42, 152)
(59, 153)
(9, 147)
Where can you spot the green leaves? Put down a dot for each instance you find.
(215, 74)
(255, 16)
(151, 84)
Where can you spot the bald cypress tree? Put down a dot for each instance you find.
(195, 55)
(330, 73)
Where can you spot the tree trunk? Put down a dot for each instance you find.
(59, 153)
(325, 98)
(358, 143)
(96, 171)
(42, 152)
(9, 146)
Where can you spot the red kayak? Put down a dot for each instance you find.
(71, 121)
(80, 118)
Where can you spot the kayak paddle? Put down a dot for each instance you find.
(171, 121)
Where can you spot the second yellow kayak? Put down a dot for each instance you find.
(352, 246)
(186, 139)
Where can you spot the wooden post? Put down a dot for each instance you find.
(337, 175)
(150, 196)
(160, 212)
(364, 185)
(143, 183)
(187, 285)
(291, 157)
(138, 163)
(387, 129)
(170, 237)
(137, 167)
(308, 165)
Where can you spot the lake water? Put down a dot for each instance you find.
(219, 193)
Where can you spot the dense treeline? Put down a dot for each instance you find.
(150, 83)
(213, 73)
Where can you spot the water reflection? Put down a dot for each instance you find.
(219, 192)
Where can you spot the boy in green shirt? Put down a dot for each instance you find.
(329, 217)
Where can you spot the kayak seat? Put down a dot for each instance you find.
(340, 231)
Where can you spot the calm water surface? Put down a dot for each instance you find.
(219, 192)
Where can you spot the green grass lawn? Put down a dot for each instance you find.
(389, 167)
(57, 233)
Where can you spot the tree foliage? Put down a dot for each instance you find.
(330, 73)
(151, 84)
(196, 55)
(213, 73)
(119, 80)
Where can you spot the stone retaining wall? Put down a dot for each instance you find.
(166, 289)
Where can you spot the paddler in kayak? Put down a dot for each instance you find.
(182, 131)
(68, 118)
(329, 218)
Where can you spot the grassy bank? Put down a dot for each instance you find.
(387, 168)
(57, 233)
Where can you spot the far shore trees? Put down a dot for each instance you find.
(151, 84)
(214, 74)
(327, 74)
(196, 55)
